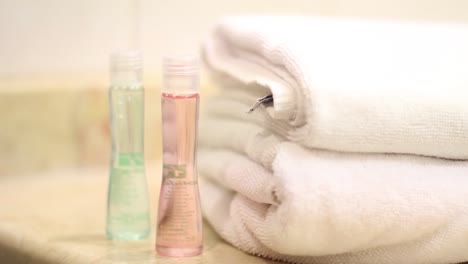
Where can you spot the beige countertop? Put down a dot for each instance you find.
(59, 217)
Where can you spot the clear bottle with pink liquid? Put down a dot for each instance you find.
(179, 227)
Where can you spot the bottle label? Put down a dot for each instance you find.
(179, 216)
(131, 159)
(174, 171)
(128, 208)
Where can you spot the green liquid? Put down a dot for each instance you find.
(127, 204)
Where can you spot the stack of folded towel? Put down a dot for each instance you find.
(360, 156)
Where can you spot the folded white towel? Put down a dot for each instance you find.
(316, 206)
(351, 85)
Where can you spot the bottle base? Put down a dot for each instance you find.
(128, 236)
(179, 252)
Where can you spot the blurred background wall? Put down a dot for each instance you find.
(54, 61)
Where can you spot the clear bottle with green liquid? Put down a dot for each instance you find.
(128, 215)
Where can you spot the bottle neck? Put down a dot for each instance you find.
(126, 78)
(181, 75)
(181, 84)
(126, 69)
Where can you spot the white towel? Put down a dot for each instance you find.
(277, 200)
(352, 85)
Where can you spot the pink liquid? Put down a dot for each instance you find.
(179, 231)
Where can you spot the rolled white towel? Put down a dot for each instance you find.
(273, 198)
(351, 85)
(330, 207)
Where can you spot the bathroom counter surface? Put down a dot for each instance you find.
(59, 217)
